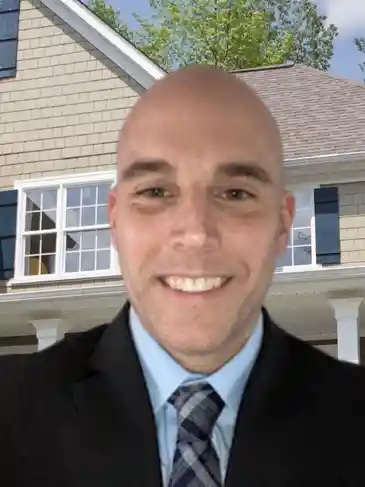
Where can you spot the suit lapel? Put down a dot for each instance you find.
(263, 439)
(115, 414)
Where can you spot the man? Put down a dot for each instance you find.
(192, 385)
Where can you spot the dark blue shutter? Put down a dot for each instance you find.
(9, 27)
(326, 208)
(8, 211)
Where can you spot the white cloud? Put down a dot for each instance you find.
(347, 15)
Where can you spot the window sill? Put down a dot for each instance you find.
(81, 277)
(298, 268)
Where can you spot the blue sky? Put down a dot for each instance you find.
(348, 15)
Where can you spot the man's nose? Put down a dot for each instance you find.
(195, 225)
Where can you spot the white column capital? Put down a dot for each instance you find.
(345, 307)
(49, 331)
(346, 312)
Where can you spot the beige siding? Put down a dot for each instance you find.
(352, 222)
(63, 110)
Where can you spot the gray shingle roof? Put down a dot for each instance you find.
(317, 113)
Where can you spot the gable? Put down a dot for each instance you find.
(63, 110)
(106, 40)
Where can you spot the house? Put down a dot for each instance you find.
(66, 83)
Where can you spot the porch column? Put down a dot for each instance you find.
(49, 331)
(346, 311)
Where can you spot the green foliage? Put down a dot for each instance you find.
(360, 44)
(205, 32)
(232, 34)
(111, 17)
(313, 39)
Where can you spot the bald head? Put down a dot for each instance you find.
(201, 95)
(197, 84)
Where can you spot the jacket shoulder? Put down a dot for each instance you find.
(60, 363)
(339, 381)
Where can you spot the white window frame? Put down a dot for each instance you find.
(313, 265)
(58, 182)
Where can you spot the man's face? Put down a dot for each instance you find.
(198, 219)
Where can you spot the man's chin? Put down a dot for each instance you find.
(194, 346)
(188, 332)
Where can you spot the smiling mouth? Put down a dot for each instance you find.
(194, 284)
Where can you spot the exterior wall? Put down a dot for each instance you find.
(352, 222)
(18, 350)
(62, 112)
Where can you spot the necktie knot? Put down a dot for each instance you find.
(199, 407)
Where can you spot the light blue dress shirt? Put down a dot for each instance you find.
(164, 375)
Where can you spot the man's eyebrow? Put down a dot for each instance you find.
(143, 167)
(244, 169)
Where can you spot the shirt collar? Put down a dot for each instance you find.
(164, 375)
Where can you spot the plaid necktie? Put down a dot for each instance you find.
(196, 463)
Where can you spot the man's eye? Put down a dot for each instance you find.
(236, 194)
(153, 193)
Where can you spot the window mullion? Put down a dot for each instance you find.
(59, 229)
(20, 254)
(29, 233)
(100, 226)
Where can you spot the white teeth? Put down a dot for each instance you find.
(194, 285)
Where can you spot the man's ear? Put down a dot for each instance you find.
(112, 210)
(287, 213)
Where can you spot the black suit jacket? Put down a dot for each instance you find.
(79, 415)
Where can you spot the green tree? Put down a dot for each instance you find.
(180, 33)
(360, 43)
(111, 17)
(232, 34)
(313, 39)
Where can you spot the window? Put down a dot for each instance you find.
(63, 229)
(87, 237)
(9, 26)
(301, 246)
